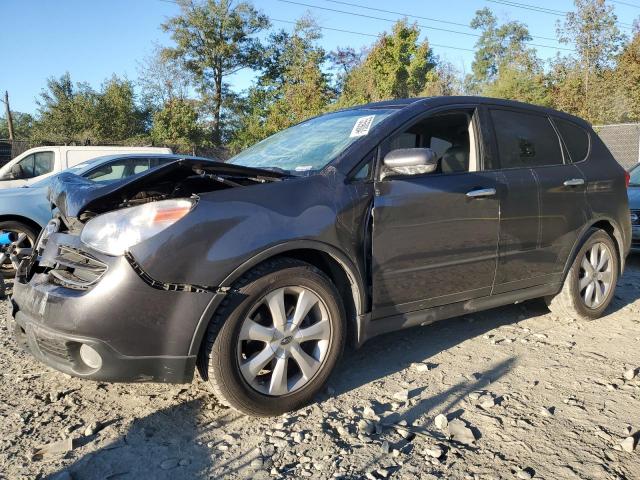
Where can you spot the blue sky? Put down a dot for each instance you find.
(92, 39)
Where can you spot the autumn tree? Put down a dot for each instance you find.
(213, 40)
(577, 80)
(291, 88)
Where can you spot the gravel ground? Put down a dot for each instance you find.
(525, 395)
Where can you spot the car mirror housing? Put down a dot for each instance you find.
(410, 161)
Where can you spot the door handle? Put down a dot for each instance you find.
(483, 192)
(574, 182)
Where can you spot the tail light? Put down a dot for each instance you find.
(627, 178)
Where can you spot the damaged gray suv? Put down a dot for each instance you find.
(258, 271)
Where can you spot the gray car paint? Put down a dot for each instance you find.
(344, 226)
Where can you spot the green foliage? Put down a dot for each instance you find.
(291, 88)
(22, 125)
(177, 124)
(76, 113)
(397, 66)
(215, 39)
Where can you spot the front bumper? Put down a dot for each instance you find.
(141, 332)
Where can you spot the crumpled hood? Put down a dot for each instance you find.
(75, 195)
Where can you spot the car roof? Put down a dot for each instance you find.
(169, 156)
(461, 99)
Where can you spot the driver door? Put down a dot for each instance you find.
(435, 236)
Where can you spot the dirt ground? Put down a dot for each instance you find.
(525, 394)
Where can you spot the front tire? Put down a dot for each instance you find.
(275, 339)
(30, 235)
(591, 281)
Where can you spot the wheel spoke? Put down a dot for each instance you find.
(584, 281)
(251, 368)
(599, 294)
(586, 265)
(308, 365)
(603, 258)
(318, 331)
(278, 384)
(588, 295)
(606, 278)
(254, 331)
(593, 256)
(306, 301)
(275, 302)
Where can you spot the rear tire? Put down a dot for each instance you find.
(591, 281)
(6, 269)
(275, 339)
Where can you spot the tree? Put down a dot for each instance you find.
(215, 39)
(591, 29)
(66, 112)
(291, 88)
(627, 78)
(162, 79)
(177, 124)
(117, 117)
(22, 125)
(397, 66)
(503, 65)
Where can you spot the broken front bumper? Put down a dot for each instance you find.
(72, 296)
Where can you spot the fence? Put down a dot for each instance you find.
(623, 140)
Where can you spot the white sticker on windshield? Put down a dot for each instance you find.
(304, 168)
(362, 126)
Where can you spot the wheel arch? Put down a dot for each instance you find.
(330, 260)
(609, 226)
(24, 220)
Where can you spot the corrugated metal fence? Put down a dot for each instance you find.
(623, 140)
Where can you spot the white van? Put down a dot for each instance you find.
(38, 163)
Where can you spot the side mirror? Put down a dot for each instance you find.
(410, 161)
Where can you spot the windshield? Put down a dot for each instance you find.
(311, 145)
(635, 177)
(46, 181)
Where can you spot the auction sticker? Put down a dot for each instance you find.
(362, 126)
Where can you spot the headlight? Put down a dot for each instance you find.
(115, 232)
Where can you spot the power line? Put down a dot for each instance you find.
(625, 3)
(410, 15)
(370, 35)
(548, 11)
(361, 15)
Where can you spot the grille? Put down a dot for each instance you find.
(55, 348)
(77, 270)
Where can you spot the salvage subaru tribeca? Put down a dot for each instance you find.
(352, 224)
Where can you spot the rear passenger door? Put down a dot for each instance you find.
(545, 206)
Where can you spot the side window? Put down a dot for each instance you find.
(25, 167)
(575, 138)
(450, 135)
(118, 170)
(43, 163)
(107, 173)
(525, 140)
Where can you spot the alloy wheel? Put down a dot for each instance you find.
(284, 340)
(596, 275)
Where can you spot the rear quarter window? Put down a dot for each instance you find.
(575, 138)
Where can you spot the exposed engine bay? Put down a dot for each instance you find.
(78, 199)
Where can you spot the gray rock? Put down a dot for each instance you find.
(524, 474)
(628, 444)
(459, 432)
(402, 395)
(91, 429)
(435, 451)
(441, 422)
(630, 374)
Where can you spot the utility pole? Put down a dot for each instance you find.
(9, 118)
